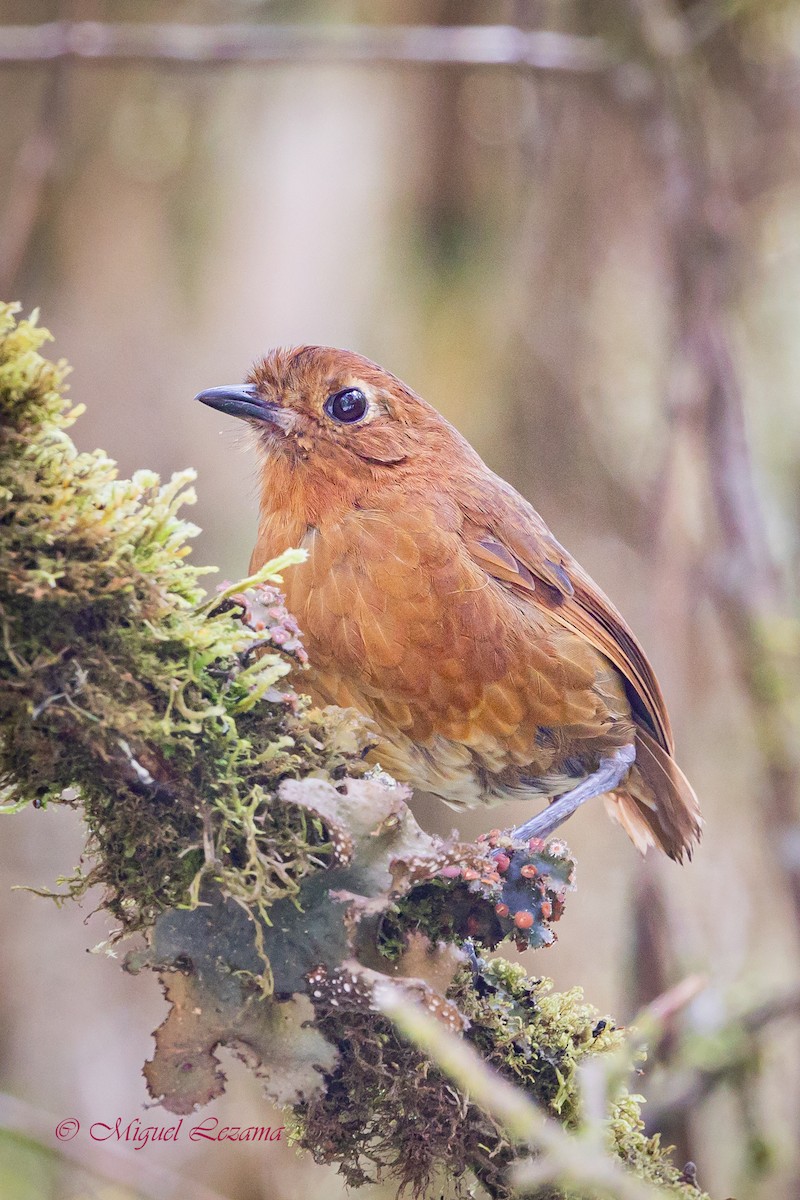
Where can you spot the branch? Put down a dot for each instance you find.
(577, 1160)
(731, 1055)
(217, 45)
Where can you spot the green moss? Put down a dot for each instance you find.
(387, 1111)
(535, 1036)
(122, 687)
(538, 1038)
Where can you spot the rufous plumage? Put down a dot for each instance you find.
(435, 600)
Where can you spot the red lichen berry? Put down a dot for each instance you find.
(547, 910)
(502, 910)
(529, 871)
(523, 919)
(502, 862)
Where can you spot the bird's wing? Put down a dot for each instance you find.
(511, 542)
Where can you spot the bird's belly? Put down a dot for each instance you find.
(475, 697)
(471, 761)
(463, 778)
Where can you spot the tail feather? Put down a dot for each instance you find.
(657, 806)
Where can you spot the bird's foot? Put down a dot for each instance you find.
(612, 770)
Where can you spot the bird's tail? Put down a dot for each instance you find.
(657, 806)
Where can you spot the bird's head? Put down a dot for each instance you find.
(331, 413)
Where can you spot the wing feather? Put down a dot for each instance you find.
(513, 545)
(518, 549)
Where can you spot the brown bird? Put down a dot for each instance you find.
(436, 601)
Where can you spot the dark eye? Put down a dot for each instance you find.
(346, 406)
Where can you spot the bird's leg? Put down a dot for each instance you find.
(475, 963)
(610, 772)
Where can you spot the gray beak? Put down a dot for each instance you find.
(241, 400)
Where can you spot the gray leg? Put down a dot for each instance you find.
(610, 772)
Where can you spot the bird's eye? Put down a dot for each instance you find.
(346, 406)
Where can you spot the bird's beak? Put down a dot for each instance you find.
(241, 400)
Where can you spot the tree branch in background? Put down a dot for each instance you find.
(215, 45)
(731, 1056)
(680, 123)
(753, 603)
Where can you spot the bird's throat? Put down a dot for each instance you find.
(297, 494)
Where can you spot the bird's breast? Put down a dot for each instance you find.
(402, 625)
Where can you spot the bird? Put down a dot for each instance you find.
(436, 602)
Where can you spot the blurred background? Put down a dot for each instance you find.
(576, 231)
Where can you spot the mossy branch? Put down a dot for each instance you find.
(584, 1161)
(278, 883)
